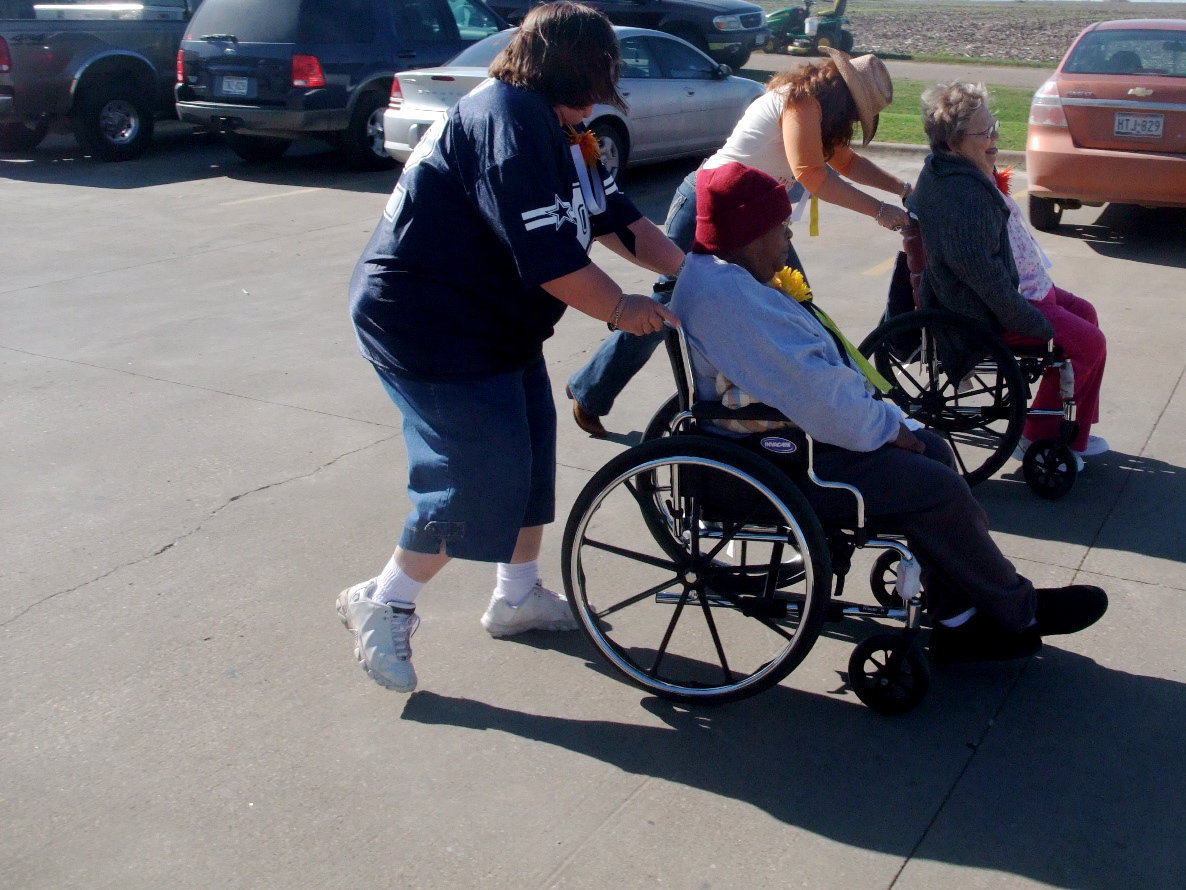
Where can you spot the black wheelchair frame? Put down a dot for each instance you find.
(700, 573)
(981, 406)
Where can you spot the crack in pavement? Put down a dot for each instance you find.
(211, 515)
(210, 389)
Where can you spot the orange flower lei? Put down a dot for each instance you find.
(587, 140)
(1004, 179)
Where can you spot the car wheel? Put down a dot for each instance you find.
(612, 144)
(256, 149)
(113, 121)
(1045, 213)
(22, 135)
(736, 59)
(362, 141)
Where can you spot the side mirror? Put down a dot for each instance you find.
(723, 71)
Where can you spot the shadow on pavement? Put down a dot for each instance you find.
(1070, 783)
(1138, 234)
(179, 154)
(1095, 512)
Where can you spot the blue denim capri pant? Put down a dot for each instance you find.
(481, 460)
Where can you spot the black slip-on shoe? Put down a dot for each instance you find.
(1065, 610)
(980, 639)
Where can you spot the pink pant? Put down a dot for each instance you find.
(1077, 331)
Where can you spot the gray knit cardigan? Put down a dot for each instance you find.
(970, 268)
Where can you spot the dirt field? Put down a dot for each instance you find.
(1014, 30)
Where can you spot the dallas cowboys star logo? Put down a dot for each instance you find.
(556, 215)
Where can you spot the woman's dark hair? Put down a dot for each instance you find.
(566, 51)
(824, 83)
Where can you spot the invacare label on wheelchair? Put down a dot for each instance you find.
(779, 445)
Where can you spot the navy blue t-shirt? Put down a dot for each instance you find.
(488, 208)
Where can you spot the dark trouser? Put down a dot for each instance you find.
(930, 503)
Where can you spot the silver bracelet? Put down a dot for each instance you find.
(612, 324)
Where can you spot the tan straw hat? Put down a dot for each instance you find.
(869, 82)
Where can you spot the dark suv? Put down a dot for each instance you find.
(265, 72)
(728, 30)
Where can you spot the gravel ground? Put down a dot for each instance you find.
(1009, 30)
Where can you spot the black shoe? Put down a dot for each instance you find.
(589, 422)
(981, 639)
(1065, 610)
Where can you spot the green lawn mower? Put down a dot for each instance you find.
(799, 31)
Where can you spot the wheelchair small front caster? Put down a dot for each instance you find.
(889, 674)
(883, 580)
(1049, 468)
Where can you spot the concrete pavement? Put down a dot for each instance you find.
(197, 461)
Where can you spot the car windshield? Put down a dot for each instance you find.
(482, 53)
(1130, 52)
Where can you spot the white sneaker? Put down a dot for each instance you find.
(1096, 445)
(1023, 445)
(382, 636)
(542, 610)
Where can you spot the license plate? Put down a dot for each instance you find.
(1146, 126)
(235, 86)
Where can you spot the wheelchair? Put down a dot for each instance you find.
(700, 573)
(979, 401)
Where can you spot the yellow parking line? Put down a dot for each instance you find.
(881, 268)
(267, 197)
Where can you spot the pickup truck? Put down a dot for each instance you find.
(106, 68)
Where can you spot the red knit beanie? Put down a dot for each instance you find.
(736, 205)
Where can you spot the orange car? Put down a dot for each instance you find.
(1110, 125)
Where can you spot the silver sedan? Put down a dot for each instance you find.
(682, 103)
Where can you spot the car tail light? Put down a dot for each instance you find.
(1046, 109)
(181, 66)
(397, 95)
(306, 72)
(5, 57)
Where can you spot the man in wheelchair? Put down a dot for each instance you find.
(747, 337)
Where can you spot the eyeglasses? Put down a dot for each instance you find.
(992, 132)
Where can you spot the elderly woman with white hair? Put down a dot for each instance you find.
(984, 262)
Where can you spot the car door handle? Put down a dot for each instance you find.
(405, 55)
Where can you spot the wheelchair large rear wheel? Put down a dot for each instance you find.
(661, 421)
(981, 411)
(696, 569)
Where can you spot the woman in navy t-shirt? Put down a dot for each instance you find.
(482, 245)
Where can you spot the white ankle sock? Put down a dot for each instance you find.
(957, 620)
(396, 586)
(516, 580)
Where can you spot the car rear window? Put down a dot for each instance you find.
(482, 53)
(273, 21)
(1133, 51)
